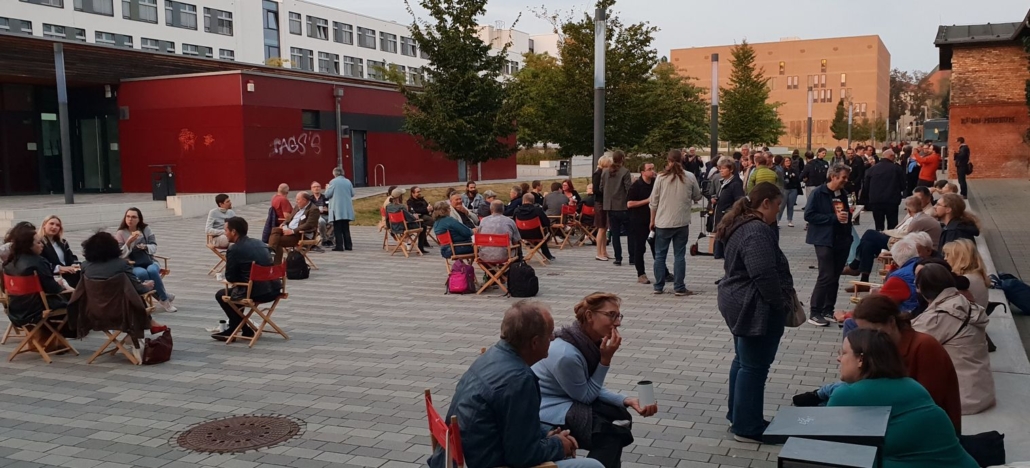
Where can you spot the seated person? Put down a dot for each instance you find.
(497, 223)
(215, 226)
(497, 401)
(57, 252)
(318, 199)
(570, 192)
(904, 254)
(965, 261)
(26, 260)
(536, 188)
(555, 200)
(420, 207)
(243, 252)
(526, 211)
(873, 242)
(516, 200)
(104, 261)
(459, 212)
(444, 222)
(5, 248)
(572, 375)
(302, 225)
(484, 209)
(410, 222)
(917, 431)
(587, 200)
(958, 222)
(961, 328)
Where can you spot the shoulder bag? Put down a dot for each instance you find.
(796, 313)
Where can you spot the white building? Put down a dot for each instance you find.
(310, 36)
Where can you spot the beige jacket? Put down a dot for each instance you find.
(967, 345)
(672, 201)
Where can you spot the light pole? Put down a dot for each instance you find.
(600, 43)
(851, 117)
(65, 126)
(715, 106)
(809, 119)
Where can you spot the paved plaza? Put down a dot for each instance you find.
(370, 332)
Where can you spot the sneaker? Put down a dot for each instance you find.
(685, 292)
(755, 439)
(790, 224)
(658, 291)
(167, 306)
(642, 279)
(818, 320)
(617, 263)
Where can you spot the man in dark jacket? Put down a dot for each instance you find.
(829, 231)
(526, 211)
(243, 252)
(883, 187)
(497, 401)
(962, 165)
(813, 174)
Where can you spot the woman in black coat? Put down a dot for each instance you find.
(729, 191)
(57, 252)
(25, 260)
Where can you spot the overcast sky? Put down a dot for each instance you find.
(909, 34)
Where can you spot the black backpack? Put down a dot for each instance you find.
(296, 267)
(522, 280)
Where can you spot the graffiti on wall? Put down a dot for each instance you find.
(296, 145)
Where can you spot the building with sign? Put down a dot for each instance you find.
(990, 82)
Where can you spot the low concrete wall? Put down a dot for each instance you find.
(195, 205)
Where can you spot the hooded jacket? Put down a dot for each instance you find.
(754, 296)
(957, 229)
(961, 327)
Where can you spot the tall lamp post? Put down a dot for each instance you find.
(809, 119)
(851, 118)
(600, 43)
(715, 107)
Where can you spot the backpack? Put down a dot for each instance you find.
(522, 280)
(462, 279)
(1016, 291)
(969, 168)
(296, 267)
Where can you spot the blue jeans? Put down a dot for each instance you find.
(790, 198)
(678, 237)
(748, 372)
(849, 324)
(579, 463)
(617, 222)
(152, 273)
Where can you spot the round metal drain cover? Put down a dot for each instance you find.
(238, 434)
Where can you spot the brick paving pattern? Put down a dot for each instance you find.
(369, 333)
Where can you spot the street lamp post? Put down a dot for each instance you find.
(714, 129)
(809, 119)
(600, 43)
(851, 116)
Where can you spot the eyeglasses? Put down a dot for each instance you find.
(614, 315)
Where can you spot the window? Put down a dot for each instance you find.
(271, 32)
(24, 27)
(810, 80)
(271, 52)
(98, 7)
(309, 120)
(318, 28)
(415, 76)
(226, 54)
(829, 95)
(180, 15)
(861, 109)
(532, 46)
(353, 67)
(53, 3)
(388, 42)
(157, 45)
(218, 21)
(783, 67)
(510, 68)
(295, 23)
(843, 80)
(408, 47)
(366, 38)
(190, 49)
(822, 66)
(328, 63)
(302, 59)
(140, 10)
(822, 81)
(772, 84)
(53, 31)
(375, 70)
(401, 69)
(111, 39)
(343, 33)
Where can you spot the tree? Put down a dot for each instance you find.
(463, 109)
(900, 84)
(537, 90)
(745, 113)
(677, 112)
(861, 130)
(839, 126)
(878, 129)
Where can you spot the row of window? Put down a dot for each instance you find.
(343, 33)
(354, 67)
(177, 14)
(822, 67)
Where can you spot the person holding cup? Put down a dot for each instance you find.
(829, 219)
(572, 391)
(138, 245)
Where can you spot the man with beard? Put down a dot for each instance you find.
(640, 220)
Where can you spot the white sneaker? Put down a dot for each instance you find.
(168, 307)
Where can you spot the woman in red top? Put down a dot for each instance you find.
(926, 361)
(928, 166)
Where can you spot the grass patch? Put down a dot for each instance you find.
(366, 210)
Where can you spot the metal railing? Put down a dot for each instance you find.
(375, 176)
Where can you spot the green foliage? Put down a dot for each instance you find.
(861, 130)
(463, 110)
(537, 89)
(677, 112)
(839, 126)
(898, 105)
(879, 129)
(745, 113)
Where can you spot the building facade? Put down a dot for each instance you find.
(856, 69)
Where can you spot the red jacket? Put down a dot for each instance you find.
(928, 166)
(927, 362)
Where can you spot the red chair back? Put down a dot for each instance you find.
(568, 210)
(267, 273)
(441, 431)
(493, 240)
(588, 210)
(382, 211)
(22, 285)
(444, 238)
(528, 224)
(396, 217)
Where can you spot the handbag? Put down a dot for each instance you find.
(987, 448)
(140, 258)
(796, 314)
(158, 350)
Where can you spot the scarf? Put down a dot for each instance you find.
(591, 350)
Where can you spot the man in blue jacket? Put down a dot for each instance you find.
(829, 231)
(497, 401)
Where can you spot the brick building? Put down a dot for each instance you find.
(990, 69)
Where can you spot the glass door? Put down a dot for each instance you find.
(101, 160)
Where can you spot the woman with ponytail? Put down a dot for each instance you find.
(754, 299)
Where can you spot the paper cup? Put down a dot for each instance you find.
(645, 392)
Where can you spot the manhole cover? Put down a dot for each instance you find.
(239, 434)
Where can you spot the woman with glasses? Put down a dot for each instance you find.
(139, 245)
(572, 390)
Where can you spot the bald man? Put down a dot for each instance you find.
(302, 225)
(281, 203)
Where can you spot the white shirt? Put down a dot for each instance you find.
(297, 217)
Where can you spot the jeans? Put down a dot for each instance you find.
(341, 231)
(831, 262)
(883, 213)
(152, 273)
(849, 324)
(963, 189)
(869, 248)
(790, 198)
(678, 237)
(748, 372)
(639, 239)
(579, 463)
(617, 221)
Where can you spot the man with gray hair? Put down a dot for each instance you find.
(829, 218)
(883, 187)
(302, 225)
(873, 242)
(497, 401)
(497, 223)
(340, 193)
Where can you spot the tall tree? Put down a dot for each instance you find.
(839, 126)
(537, 90)
(900, 85)
(676, 112)
(745, 113)
(462, 110)
(878, 129)
(861, 130)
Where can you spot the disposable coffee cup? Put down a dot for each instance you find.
(645, 393)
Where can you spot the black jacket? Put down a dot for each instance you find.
(956, 230)
(728, 195)
(754, 295)
(50, 254)
(814, 173)
(823, 228)
(884, 184)
(26, 309)
(857, 176)
(526, 212)
(791, 178)
(962, 158)
(237, 266)
(418, 206)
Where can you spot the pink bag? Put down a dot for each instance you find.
(462, 279)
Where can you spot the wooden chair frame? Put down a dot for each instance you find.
(12, 331)
(569, 221)
(444, 238)
(304, 246)
(855, 298)
(408, 235)
(220, 253)
(589, 232)
(135, 355)
(385, 228)
(246, 307)
(533, 245)
(30, 333)
(496, 271)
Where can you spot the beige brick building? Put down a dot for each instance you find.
(854, 68)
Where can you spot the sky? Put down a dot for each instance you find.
(908, 35)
